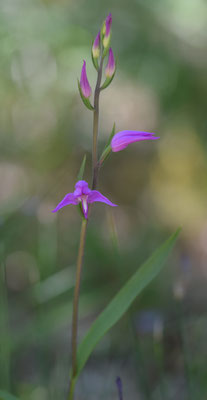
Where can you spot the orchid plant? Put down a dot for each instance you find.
(83, 197)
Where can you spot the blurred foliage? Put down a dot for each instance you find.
(158, 348)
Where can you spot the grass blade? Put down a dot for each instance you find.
(123, 299)
(82, 169)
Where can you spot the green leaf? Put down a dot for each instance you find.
(124, 298)
(82, 169)
(86, 101)
(7, 396)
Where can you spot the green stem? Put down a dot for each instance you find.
(72, 388)
(75, 307)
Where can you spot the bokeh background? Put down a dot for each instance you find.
(159, 347)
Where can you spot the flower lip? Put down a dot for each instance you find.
(122, 139)
(84, 84)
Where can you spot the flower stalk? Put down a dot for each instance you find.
(95, 169)
(75, 307)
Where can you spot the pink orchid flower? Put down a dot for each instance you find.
(82, 194)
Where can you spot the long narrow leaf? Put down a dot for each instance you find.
(121, 302)
(7, 396)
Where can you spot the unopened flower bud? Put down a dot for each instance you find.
(110, 68)
(122, 139)
(96, 46)
(84, 84)
(106, 31)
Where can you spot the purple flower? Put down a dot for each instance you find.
(84, 84)
(96, 46)
(119, 387)
(121, 139)
(82, 194)
(110, 68)
(107, 30)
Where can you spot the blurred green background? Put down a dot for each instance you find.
(159, 348)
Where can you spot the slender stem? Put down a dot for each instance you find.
(95, 125)
(83, 236)
(75, 307)
(72, 388)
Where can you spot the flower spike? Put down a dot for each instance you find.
(122, 139)
(83, 195)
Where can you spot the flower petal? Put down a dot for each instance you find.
(122, 139)
(81, 188)
(68, 199)
(95, 195)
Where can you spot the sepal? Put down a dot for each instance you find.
(95, 61)
(106, 49)
(108, 81)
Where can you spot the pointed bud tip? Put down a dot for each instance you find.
(109, 18)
